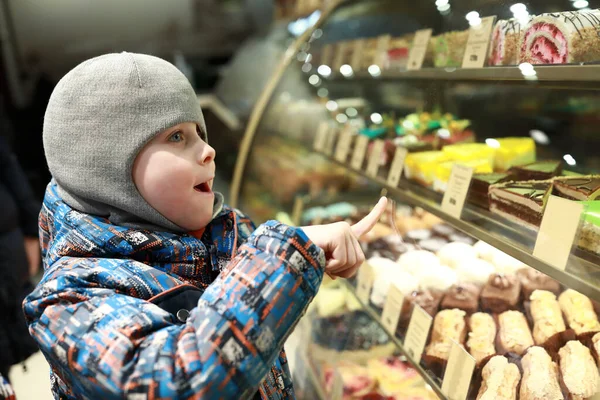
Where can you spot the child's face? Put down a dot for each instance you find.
(174, 173)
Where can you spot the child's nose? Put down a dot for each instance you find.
(207, 154)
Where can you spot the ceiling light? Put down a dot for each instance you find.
(569, 159)
(346, 70)
(376, 118)
(581, 4)
(324, 70)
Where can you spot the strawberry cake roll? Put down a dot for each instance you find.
(562, 38)
(504, 49)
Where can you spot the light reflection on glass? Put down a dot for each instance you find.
(376, 118)
(374, 70)
(341, 118)
(331, 105)
(346, 70)
(324, 71)
(314, 80)
(569, 159)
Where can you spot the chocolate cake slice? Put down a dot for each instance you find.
(521, 202)
(480, 183)
(537, 171)
(578, 187)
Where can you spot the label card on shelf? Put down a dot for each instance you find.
(321, 137)
(459, 371)
(375, 158)
(458, 187)
(383, 45)
(364, 283)
(416, 335)
(343, 145)
(360, 150)
(397, 167)
(337, 386)
(418, 49)
(332, 134)
(560, 225)
(357, 53)
(392, 309)
(478, 42)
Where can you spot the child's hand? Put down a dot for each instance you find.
(339, 241)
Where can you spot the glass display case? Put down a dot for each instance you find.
(482, 115)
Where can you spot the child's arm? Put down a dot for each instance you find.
(107, 344)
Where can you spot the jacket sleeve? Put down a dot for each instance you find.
(14, 178)
(109, 345)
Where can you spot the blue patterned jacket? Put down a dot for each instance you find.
(115, 314)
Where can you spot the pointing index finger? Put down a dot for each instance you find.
(367, 223)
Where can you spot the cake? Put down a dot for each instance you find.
(392, 375)
(537, 171)
(448, 326)
(426, 299)
(453, 254)
(513, 151)
(404, 281)
(506, 264)
(449, 49)
(443, 171)
(480, 184)
(532, 279)
(540, 376)
(589, 237)
(389, 246)
(417, 260)
(356, 379)
(474, 271)
(562, 38)
(579, 312)
(464, 296)
(514, 335)
(578, 188)
(546, 315)
(501, 293)
(521, 202)
(439, 278)
(421, 166)
(482, 336)
(485, 251)
(579, 372)
(433, 245)
(504, 47)
(499, 380)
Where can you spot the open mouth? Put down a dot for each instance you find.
(203, 188)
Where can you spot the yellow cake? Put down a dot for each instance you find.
(513, 151)
(421, 166)
(443, 170)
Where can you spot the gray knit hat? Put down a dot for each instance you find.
(99, 117)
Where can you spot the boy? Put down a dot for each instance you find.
(152, 287)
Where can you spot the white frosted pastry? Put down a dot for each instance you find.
(578, 370)
(383, 268)
(439, 278)
(485, 251)
(506, 264)
(547, 316)
(455, 253)
(579, 312)
(416, 260)
(475, 271)
(499, 380)
(402, 279)
(540, 376)
(482, 334)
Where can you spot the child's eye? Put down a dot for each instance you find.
(176, 137)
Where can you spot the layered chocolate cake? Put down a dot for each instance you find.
(521, 202)
(464, 296)
(578, 187)
(562, 38)
(480, 184)
(537, 171)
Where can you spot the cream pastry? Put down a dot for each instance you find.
(506, 264)
(401, 279)
(439, 278)
(485, 251)
(475, 271)
(547, 316)
(578, 370)
(455, 253)
(482, 334)
(540, 376)
(579, 312)
(499, 380)
(448, 326)
(417, 260)
(514, 335)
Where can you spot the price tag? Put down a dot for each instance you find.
(416, 335)
(459, 371)
(357, 53)
(327, 55)
(560, 225)
(343, 144)
(375, 158)
(392, 309)
(332, 133)
(360, 150)
(340, 52)
(337, 386)
(478, 42)
(417, 53)
(321, 137)
(397, 167)
(458, 187)
(383, 44)
(364, 283)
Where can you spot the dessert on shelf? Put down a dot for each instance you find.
(504, 46)
(500, 380)
(481, 337)
(449, 48)
(540, 376)
(522, 202)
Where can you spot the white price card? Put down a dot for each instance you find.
(458, 374)
(392, 309)
(458, 187)
(332, 134)
(560, 225)
(417, 333)
(360, 150)
(418, 50)
(337, 386)
(397, 167)
(375, 158)
(321, 137)
(364, 283)
(383, 45)
(478, 42)
(343, 145)
(357, 53)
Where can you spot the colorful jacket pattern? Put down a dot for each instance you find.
(105, 313)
